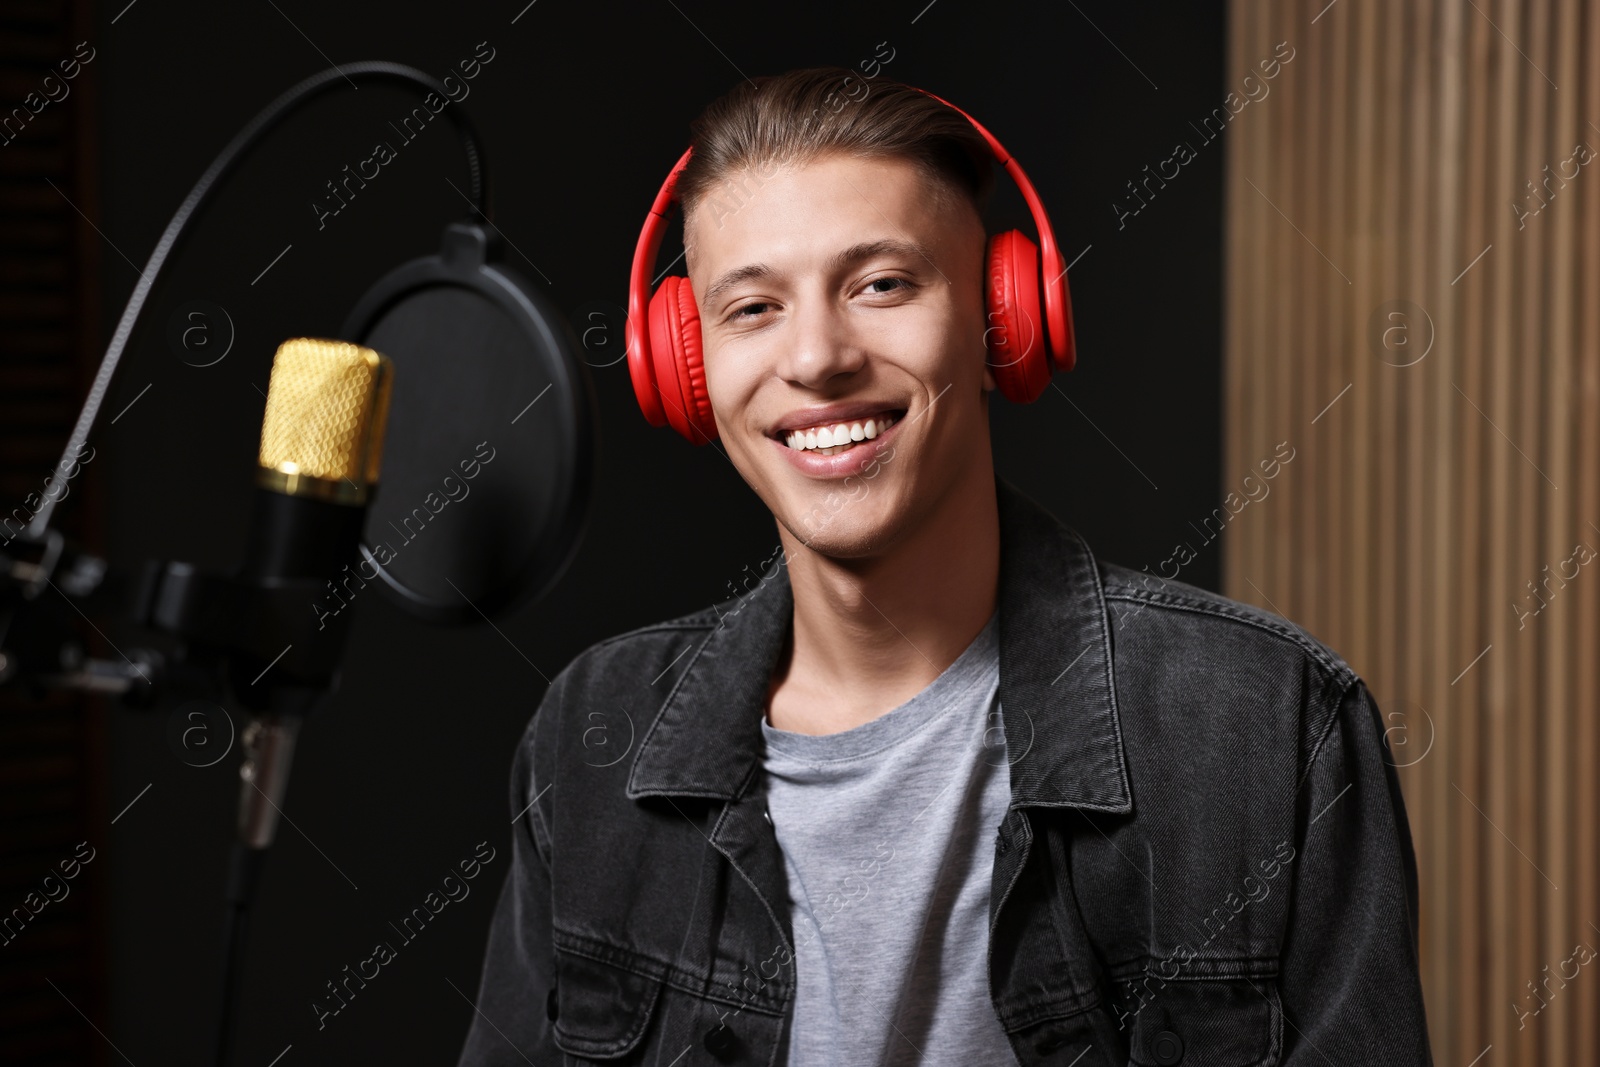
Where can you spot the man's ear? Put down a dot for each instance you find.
(989, 382)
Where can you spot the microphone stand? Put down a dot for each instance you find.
(268, 743)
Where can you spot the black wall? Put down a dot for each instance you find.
(584, 108)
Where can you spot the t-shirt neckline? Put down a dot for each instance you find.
(957, 685)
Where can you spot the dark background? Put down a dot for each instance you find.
(583, 109)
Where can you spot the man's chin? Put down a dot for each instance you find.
(842, 544)
(837, 524)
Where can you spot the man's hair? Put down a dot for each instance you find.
(798, 116)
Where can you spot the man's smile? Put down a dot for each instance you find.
(812, 451)
(836, 425)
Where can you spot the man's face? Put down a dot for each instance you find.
(833, 293)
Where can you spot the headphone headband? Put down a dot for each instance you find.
(637, 338)
(1055, 289)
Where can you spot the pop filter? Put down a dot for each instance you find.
(490, 446)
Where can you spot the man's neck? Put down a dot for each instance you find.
(869, 634)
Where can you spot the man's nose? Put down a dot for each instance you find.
(821, 343)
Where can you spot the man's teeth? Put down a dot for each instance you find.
(828, 440)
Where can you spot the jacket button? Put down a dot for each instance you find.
(1168, 1048)
(767, 815)
(551, 1008)
(720, 1042)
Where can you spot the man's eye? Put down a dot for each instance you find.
(899, 283)
(739, 313)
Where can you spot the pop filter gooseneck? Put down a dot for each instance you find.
(228, 160)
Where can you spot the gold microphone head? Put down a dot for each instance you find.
(322, 434)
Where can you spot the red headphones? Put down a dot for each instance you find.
(664, 360)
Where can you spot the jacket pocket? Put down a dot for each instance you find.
(602, 1010)
(1210, 1022)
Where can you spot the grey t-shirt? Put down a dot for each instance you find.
(887, 833)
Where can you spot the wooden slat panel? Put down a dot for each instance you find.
(1425, 500)
(1549, 399)
(52, 752)
(1450, 952)
(1586, 808)
(1473, 317)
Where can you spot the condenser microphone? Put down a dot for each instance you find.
(316, 472)
(318, 466)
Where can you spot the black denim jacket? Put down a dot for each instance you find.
(1205, 860)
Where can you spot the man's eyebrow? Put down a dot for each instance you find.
(884, 246)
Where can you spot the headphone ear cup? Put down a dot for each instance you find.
(1015, 341)
(679, 372)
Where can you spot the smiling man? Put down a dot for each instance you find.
(943, 786)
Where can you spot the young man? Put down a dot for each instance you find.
(939, 786)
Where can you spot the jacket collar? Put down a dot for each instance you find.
(1057, 696)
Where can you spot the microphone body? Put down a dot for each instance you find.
(299, 536)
